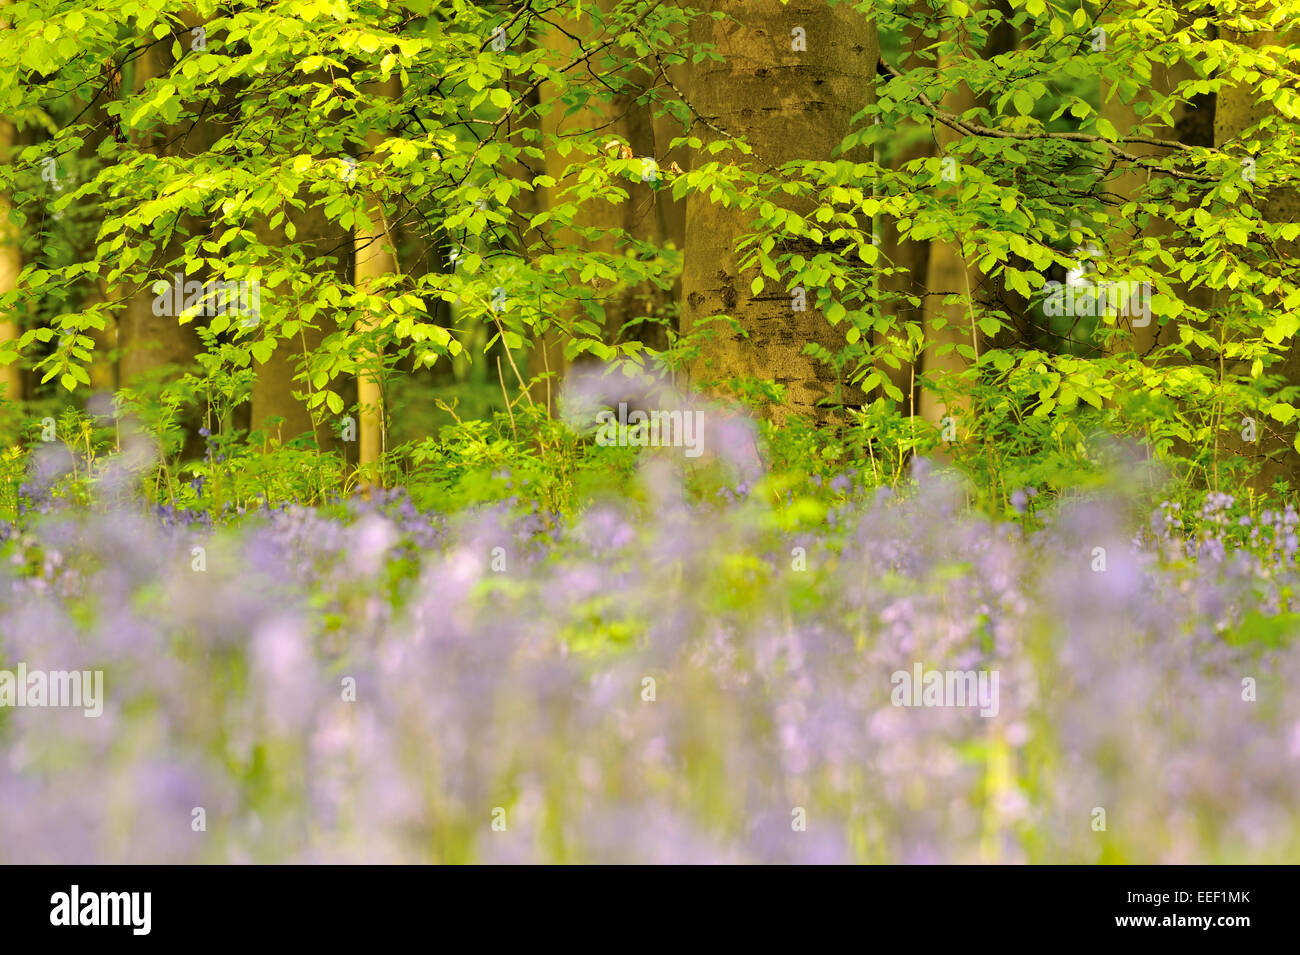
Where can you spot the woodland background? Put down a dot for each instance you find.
(844, 220)
(365, 584)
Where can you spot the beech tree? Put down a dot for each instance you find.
(623, 109)
(791, 80)
(151, 338)
(11, 265)
(574, 174)
(375, 262)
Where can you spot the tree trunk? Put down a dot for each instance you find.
(1238, 109)
(950, 326)
(11, 264)
(1192, 124)
(104, 358)
(788, 105)
(324, 246)
(152, 344)
(375, 258)
(911, 258)
(648, 213)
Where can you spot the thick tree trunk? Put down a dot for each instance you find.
(1192, 124)
(1238, 109)
(324, 246)
(150, 343)
(104, 359)
(788, 105)
(648, 213)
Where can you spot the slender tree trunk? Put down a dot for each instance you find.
(11, 264)
(788, 104)
(950, 326)
(911, 258)
(375, 258)
(545, 361)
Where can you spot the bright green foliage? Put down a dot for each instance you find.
(495, 252)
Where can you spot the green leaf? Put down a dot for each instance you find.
(1016, 279)
(1284, 325)
(1282, 412)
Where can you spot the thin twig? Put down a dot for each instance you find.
(955, 122)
